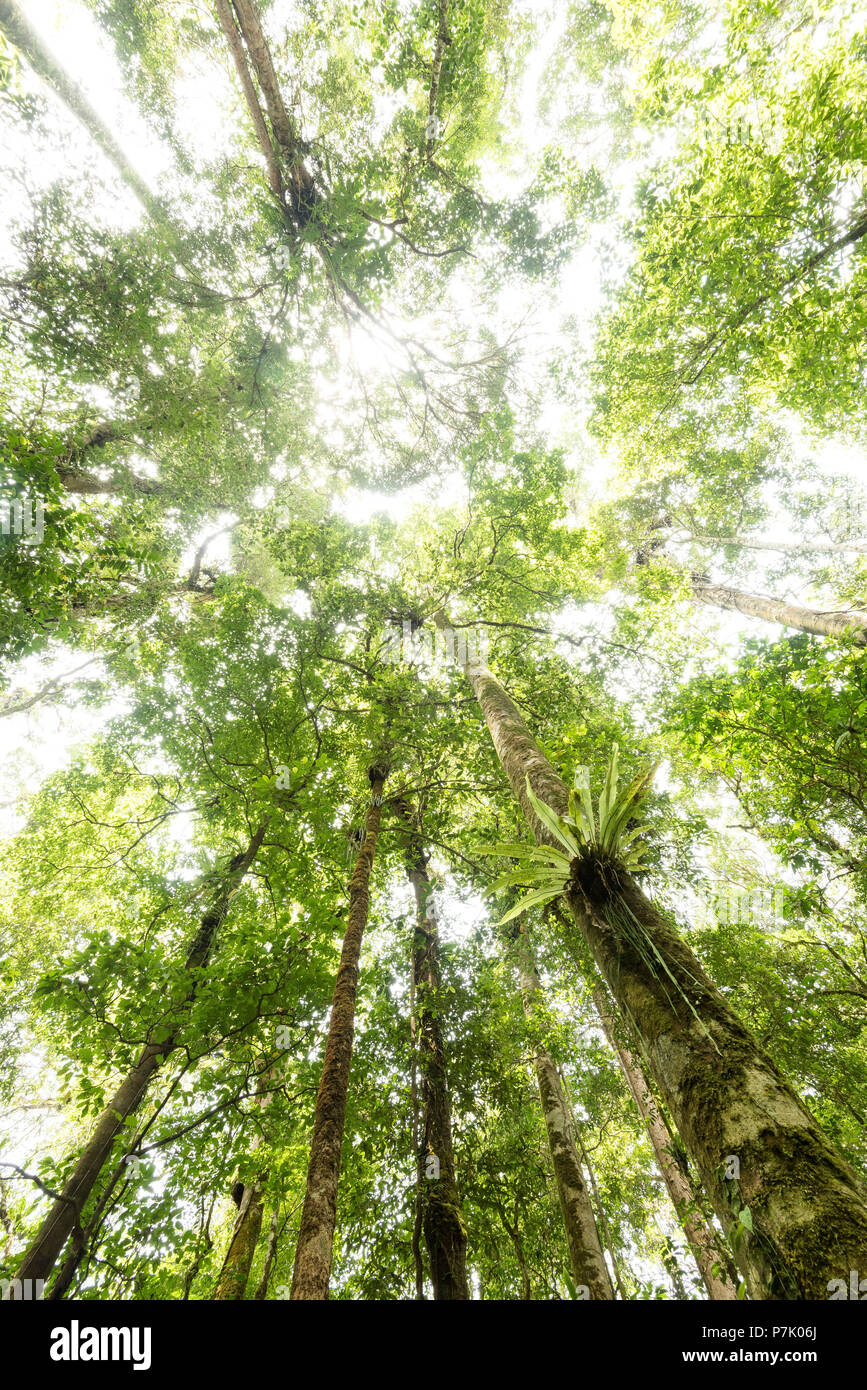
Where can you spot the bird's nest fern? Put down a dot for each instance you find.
(594, 844)
(595, 847)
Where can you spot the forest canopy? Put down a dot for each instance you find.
(433, 625)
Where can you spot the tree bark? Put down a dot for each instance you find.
(84, 484)
(238, 1261)
(513, 1231)
(594, 1189)
(315, 1248)
(418, 1208)
(203, 1245)
(440, 45)
(232, 1282)
(773, 610)
(236, 47)
(755, 1145)
(709, 1257)
(582, 1237)
(285, 134)
(444, 1231)
(270, 1256)
(65, 1214)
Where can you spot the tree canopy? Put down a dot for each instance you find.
(433, 612)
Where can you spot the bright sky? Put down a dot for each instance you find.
(34, 743)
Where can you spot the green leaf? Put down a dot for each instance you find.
(582, 787)
(609, 793)
(548, 853)
(552, 822)
(520, 876)
(541, 895)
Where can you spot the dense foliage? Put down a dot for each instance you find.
(484, 334)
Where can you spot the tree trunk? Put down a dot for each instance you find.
(203, 1245)
(65, 1215)
(513, 1231)
(757, 1148)
(270, 1256)
(773, 610)
(21, 33)
(582, 1237)
(784, 547)
(442, 42)
(702, 1241)
(444, 1231)
(285, 134)
(236, 47)
(84, 484)
(232, 1282)
(315, 1249)
(418, 1262)
(588, 1169)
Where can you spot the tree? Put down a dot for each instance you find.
(721, 1111)
(444, 1231)
(585, 1248)
(316, 1235)
(449, 339)
(65, 1216)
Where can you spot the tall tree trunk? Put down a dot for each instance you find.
(444, 1231)
(816, 547)
(774, 610)
(65, 1215)
(232, 1281)
(21, 33)
(587, 1165)
(270, 1256)
(672, 1264)
(315, 1249)
(754, 1143)
(703, 1243)
(582, 1237)
(418, 1262)
(440, 45)
(513, 1231)
(203, 1245)
(236, 47)
(288, 143)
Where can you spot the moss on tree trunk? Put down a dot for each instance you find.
(582, 1236)
(754, 1143)
(315, 1247)
(444, 1231)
